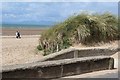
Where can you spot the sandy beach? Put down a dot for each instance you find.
(20, 51)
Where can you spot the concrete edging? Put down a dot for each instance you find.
(58, 68)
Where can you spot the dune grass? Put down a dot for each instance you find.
(83, 28)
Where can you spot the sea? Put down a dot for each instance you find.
(16, 26)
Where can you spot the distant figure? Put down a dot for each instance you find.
(18, 34)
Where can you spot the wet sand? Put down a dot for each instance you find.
(23, 31)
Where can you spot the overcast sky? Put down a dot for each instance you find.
(50, 12)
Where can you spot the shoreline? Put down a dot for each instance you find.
(23, 31)
(22, 36)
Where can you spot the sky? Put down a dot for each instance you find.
(47, 13)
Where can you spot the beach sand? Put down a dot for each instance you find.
(20, 51)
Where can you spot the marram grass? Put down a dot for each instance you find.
(83, 28)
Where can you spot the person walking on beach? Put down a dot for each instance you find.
(18, 34)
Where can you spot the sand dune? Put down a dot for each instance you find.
(20, 51)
